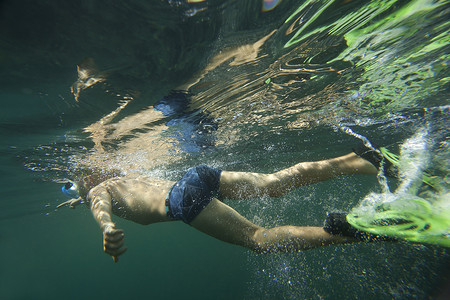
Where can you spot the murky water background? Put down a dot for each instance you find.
(262, 90)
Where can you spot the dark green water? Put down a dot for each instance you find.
(267, 90)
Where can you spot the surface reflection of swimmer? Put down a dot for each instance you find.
(194, 199)
(170, 126)
(194, 128)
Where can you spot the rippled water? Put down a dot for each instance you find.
(258, 85)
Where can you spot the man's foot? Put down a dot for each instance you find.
(376, 158)
(336, 224)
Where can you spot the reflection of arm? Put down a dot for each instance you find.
(100, 203)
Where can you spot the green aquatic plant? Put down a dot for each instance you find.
(395, 58)
(345, 24)
(400, 65)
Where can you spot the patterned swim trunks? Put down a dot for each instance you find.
(192, 193)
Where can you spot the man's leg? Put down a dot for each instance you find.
(224, 223)
(244, 185)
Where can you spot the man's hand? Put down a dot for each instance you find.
(71, 203)
(113, 242)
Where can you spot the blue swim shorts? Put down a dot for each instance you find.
(192, 193)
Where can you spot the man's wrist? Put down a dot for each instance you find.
(107, 225)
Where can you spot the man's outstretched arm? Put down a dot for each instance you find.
(101, 207)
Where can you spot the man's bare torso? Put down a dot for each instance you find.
(140, 199)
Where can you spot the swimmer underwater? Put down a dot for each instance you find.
(196, 199)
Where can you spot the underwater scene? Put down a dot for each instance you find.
(153, 88)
